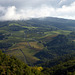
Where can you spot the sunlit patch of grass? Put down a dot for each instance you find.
(14, 24)
(28, 51)
(57, 32)
(35, 45)
(29, 27)
(4, 31)
(74, 40)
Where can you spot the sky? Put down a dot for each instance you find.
(26, 9)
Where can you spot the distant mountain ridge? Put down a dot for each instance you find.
(57, 22)
(60, 23)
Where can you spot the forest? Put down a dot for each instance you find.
(43, 46)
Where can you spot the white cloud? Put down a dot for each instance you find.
(10, 14)
(66, 11)
(62, 1)
(13, 13)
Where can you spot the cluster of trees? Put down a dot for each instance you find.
(12, 66)
(66, 68)
(15, 28)
(72, 35)
(5, 45)
(2, 36)
(59, 47)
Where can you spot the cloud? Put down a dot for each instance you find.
(10, 14)
(62, 1)
(15, 13)
(66, 11)
(34, 3)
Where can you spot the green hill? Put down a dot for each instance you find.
(12, 66)
(37, 40)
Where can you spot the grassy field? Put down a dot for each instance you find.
(57, 32)
(29, 51)
(28, 40)
(30, 48)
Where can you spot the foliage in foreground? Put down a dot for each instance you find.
(12, 66)
(66, 68)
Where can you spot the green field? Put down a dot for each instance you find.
(29, 37)
(20, 42)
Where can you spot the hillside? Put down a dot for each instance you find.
(12, 66)
(37, 40)
(66, 68)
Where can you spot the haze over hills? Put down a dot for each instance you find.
(57, 22)
(66, 24)
(43, 42)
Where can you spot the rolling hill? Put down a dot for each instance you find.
(37, 40)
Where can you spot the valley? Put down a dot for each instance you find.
(43, 42)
